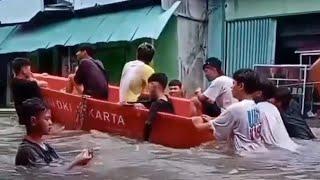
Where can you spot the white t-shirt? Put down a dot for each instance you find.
(240, 124)
(134, 79)
(220, 91)
(273, 131)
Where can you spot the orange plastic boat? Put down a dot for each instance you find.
(170, 130)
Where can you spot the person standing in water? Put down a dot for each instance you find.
(34, 151)
(273, 131)
(240, 123)
(135, 74)
(296, 126)
(158, 100)
(23, 85)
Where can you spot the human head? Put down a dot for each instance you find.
(282, 98)
(145, 52)
(175, 88)
(212, 68)
(22, 67)
(246, 82)
(157, 83)
(266, 91)
(36, 116)
(84, 52)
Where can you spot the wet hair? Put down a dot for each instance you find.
(175, 82)
(145, 52)
(19, 63)
(31, 107)
(283, 95)
(86, 48)
(267, 87)
(249, 78)
(161, 78)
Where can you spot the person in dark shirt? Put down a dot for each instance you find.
(23, 86)
(91, 74)
(33, 151)
(158, 101)
(290, 112)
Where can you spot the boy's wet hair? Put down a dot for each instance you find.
(283, 95)
(86, 48)
(31, 107)
(249, 78)
(19, 63)
(175, 82)
(267, 88)
(161, 78)
(145, 52)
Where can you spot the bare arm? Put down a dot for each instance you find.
(200, 124)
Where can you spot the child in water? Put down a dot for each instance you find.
(34, 151)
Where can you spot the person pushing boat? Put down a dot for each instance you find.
(273, 131)
(296, 126)
(240, 123)
(158, 100)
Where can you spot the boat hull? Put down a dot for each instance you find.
(169, 130)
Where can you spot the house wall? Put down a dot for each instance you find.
(243, 9)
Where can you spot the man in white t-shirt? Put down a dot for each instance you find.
(135, 74)
(240, 123)
(219, 91)
(273, 131)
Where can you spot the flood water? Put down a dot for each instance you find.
(120, 158)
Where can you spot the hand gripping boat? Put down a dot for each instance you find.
(76, 112)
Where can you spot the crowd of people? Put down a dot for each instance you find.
(246, 110)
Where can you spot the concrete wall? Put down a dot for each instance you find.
(242, 9)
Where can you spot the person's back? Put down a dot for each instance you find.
(134, 79)
(135, 74)
(273, 131)
(245, 125)
(93, 79)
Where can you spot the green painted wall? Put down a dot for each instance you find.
(242, 9)
(115, 55)
(166, 58)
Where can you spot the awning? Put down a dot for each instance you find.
(17, 11)
(126, 25)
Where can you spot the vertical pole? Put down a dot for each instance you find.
(304, 89)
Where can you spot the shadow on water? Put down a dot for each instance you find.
(122, 158)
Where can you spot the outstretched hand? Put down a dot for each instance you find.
(83, 158)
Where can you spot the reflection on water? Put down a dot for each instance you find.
(121, 158)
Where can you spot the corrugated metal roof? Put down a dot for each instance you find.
(19, 11)
(83, 4)
(126, 25)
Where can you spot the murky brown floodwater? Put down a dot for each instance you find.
(121, 158)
